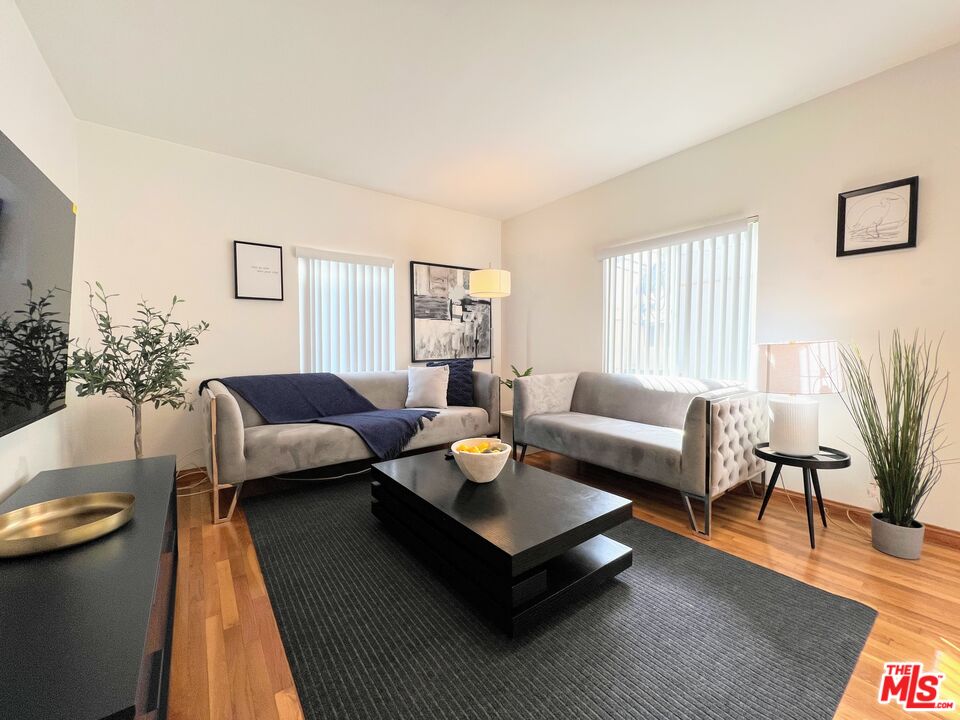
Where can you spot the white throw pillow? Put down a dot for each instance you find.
(427, 386)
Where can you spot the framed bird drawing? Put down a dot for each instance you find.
(881, 217)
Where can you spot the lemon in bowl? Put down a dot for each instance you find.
(480, 459)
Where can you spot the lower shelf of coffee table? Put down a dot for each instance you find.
(514, 603)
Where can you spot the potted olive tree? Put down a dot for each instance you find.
(899, 422)
(141, 362)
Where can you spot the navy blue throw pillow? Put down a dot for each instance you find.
(460, 386)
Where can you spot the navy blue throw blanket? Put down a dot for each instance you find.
(325, 398)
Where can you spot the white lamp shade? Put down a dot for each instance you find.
(799, 368)
(489, 283)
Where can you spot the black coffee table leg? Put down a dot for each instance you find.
(769, 492)
(808, 496)
(816, 488)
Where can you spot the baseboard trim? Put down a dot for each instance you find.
(945, 537)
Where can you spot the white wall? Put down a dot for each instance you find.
(36, 117)
(156, 218)
(787, 169)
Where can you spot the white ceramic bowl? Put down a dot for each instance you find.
(481, 467)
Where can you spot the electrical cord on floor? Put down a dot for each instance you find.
(859, 528)
(193, 452)
(198, 492)
(862, 530)
(185, 474)
(182, 492)
(321, 477)
(193, 472)
(197, 471)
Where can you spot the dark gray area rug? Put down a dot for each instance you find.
(687, 632)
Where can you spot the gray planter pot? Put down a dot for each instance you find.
(896, 540)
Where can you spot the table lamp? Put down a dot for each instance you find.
(793, 371)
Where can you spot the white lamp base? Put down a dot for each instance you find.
(794, 426)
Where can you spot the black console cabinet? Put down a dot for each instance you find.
(85, 632)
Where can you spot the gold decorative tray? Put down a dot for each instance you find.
(63, 522)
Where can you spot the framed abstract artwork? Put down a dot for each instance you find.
(445, 322)
(257, 271)
(877, 218)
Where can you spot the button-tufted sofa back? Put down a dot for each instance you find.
(650, 399)
(737, 425)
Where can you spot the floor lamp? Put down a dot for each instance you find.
(489, 284)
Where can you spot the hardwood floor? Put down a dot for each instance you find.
(229, 662)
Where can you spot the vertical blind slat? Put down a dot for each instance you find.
(392, 315)
(304, 306)
(630, 320)
(367, 326)
(611, 303)
(724, 304)
(735, 304)
(697, 308)
(624, 345)
(372, 314)
(606, 311)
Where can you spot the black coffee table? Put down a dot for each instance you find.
(518, 546)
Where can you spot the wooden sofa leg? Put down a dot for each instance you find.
(217, 489)
(523, 452)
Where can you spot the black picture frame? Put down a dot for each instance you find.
(886, 216)
(236, 277)
(414, 357)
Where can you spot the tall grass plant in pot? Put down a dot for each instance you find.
(897, 407)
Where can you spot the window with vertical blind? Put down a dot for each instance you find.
(683, 304)
(347, 312)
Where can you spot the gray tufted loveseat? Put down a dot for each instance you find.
(696, 436)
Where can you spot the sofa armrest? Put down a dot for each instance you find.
(735, 421)
(486, 395)
(223, 437)
(539, 394)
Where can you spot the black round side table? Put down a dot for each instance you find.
(827, 459)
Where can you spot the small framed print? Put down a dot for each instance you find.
(877, 218)
(257, 271)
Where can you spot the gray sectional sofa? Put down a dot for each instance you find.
(696, 436)
(241, 446)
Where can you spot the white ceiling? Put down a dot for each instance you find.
(490, 106)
